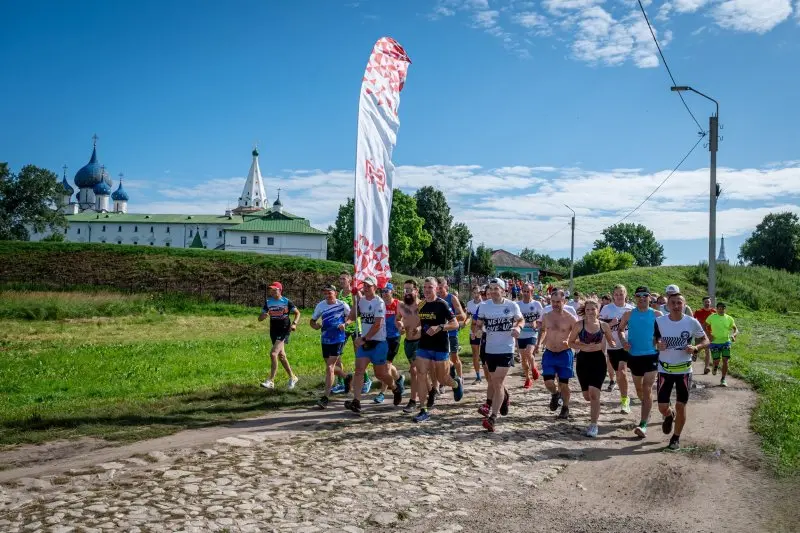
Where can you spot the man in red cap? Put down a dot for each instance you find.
(278, 308)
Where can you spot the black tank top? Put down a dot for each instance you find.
(590, 338)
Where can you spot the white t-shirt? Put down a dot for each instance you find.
(677, 335)
(567, 309)
(610, 312)
(472, 307)
(370, 310)
(533, 313)
(499, 321)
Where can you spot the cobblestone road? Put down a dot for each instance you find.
(343, 473)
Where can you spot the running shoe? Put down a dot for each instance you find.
(723, 383)
(714, 371)
(365, 388)
(488, 423)
(458, 391)
(666, 425)
(625, 405)
(564, 414)
(591, 431)
(555, 401)
(337, 389)
(505, 404)
(612, 385)
(528, 383)
(401, 384)
(410, 406)
(431, 398)
(641, 430)
(348, 382)
(322, 403)
(293, 382)
(675, 443)
(268, 384)
(706, 370)
(422, 416)
(534, 373)
(441, 390)
(353, 405)
(484, 409)
(379, 398)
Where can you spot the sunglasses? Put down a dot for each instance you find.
(642, 295)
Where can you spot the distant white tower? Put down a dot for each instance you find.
(722, 257)
(253, 198)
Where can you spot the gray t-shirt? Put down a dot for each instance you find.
(499, 321)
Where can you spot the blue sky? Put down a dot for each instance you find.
(512, 108)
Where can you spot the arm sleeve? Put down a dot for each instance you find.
(517, 311)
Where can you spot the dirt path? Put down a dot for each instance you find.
(534, 474)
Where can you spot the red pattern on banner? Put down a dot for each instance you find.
(371, 260)
(386, 72)
(375, 174)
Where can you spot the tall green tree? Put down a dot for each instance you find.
(603, 260)
(432, 207)
(481, 261)
(775, 243)
(407, 237)
(635, 239)
(29, 200)
(460, 237)
(340, 235)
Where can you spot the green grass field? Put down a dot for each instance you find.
(127, 367)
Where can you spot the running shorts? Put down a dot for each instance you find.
(332, 350)
(720, 350)
(483, 348)
(410, 349)
(376, 354)
(524, 343)
(431, 355)
(681, 382)
(475, 342)
(642, 364)
(394, 347)
(618, 356)
(453, 343)
(557, 364)
(495, 361)
(279, 336)
(590, 367)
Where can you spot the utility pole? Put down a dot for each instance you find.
(469, 263)
(713, 131)
(572, 255)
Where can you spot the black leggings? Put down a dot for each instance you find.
(591, 369)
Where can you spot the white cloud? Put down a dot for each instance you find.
(517, 206)
(557, 7)
(688, 6)
(531, 20)
(758, 16)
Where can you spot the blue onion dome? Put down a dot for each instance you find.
(91, 174)
(68, 190)
(120, 194)
(278, 202)
(102, 188)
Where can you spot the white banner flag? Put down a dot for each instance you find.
(377, 135)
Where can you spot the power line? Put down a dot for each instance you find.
(664, 59)
(663, 181)
(548, 238)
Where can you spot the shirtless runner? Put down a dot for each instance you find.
(408, 322)
(557, 360)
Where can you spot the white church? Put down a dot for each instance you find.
(253, 226)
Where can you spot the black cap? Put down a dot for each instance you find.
(641, 289)
(329, 287)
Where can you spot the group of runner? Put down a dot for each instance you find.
(656, 337)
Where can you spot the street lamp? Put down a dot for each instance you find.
(713, 131)
(572, 254)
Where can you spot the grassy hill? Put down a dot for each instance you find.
(752, 288)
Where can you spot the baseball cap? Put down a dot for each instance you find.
(370, 280)
(276, 285)
(499, 282)
(388, 287)
(672, 289)
(643, 290)
(329, 287)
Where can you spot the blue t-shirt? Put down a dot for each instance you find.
(278, 311)
(641, 331)
(332, 315)
(449, 300)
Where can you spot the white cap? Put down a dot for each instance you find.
(672, 289)
(370, 280)
(499, 282)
